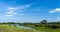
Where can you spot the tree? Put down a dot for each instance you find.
(43, 22)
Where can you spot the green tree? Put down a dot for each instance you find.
(43, 22)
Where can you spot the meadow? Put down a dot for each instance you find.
(43, 26)
(7, 28)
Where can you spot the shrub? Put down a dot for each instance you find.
(53, 26)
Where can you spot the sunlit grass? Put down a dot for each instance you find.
(7, 28)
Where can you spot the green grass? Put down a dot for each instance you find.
(42, 28)
(7, 28)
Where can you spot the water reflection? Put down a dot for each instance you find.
(17, 25)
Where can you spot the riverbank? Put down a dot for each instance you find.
(7, 28)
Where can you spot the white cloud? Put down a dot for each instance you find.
(28, 5)
(12, 8)
(10, 13)
(23, 7)
(55, 10)
(19, 8)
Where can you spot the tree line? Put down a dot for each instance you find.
(43, 23)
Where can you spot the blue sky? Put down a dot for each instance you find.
(29, 10)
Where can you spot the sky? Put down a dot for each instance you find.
(29, 10)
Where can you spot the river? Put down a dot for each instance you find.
(18, 26)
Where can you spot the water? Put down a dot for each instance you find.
(24, 27)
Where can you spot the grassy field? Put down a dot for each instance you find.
(43, 28)
(7, 28)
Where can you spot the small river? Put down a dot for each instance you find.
(23, 27)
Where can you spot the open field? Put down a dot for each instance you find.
(7, 28)
(35, 27)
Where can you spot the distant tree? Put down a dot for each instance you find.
(11, 23)
(43, 22)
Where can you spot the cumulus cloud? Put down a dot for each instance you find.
(22, 7)
(55, 10)
(28, 5)
(10, 13)
(12, 10)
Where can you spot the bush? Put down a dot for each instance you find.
(53, 26)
